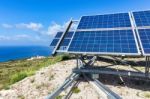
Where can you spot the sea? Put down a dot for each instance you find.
(9, 53)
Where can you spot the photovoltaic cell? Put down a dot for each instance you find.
(144, 35)
(105, 21)
(112, 41)
(142, 18)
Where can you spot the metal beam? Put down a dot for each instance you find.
(91, 62)
(147, 66)
(63, 35)
(102, 89)
(110, 71)
(70, 92)
(65, 85)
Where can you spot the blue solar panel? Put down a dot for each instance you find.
(54, 42)
(111, 41)
(69, 34)
(105, 21)
(59, 34)
(65, 41)
(144, 35)
(142, 18)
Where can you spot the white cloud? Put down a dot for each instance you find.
(54, 28)
(31, 26)
(7, 26)
(21, 37)
(2, 37)
(15, 37)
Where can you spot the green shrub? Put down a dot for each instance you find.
(75, 90)
(147, 94)
(6, 87)
(66, 57)
(17, 77)
(21, 97)
(59, 97)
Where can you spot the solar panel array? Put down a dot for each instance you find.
(101, 34)
(65, 41)
(110, 34)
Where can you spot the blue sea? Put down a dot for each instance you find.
(22, 52)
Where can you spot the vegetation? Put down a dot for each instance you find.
(59, 97)
(14, 71)
(147, 95)
(75, 90)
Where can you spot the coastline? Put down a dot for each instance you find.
(12, 53)
(14, 71)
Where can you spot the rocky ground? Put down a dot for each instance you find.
(48, 79)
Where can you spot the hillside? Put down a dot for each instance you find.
(49, 78)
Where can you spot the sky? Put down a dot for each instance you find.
(35, 22)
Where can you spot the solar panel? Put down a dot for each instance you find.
(54, 42)
(65, 41)
(142, 18)
(59, 34)
(104, 42)
(144, 35)
(105, 21)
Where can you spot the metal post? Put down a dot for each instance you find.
(77, 61)
(147, 66)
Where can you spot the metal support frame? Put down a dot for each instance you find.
(88, 63)
(90, 69)
(101, 88)
(70, 92)
(147, 66)
(72, 80)
(64, 86)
